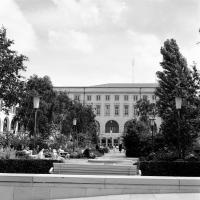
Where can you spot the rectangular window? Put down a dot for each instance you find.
(153, 97)
(126, 110)
(107, 110)
(135, 97)
(77, 97)
(89, 97)
(98, 110)
(116, 110)
(116, 97)
(125, 97)
(98, 98)
(107, 97)
(145, 97)
(135, 111)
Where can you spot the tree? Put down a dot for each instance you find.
(177, 79)
(145, 109)
(25, 115)
(136, 139)
(11, 66)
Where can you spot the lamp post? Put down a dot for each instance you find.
(74, 127)
(36, 103)
(152, 123)
(178, 101)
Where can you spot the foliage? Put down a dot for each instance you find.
(65, 110)
(177, 79)
(42, 87)
(11, 66)
(137, 140)
(169, 168)
(26, 166)
(15, 140)
(145, 109)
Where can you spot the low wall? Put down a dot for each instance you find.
(40, 186)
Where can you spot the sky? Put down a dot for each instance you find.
(91, 42)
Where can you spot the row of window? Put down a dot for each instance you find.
(107, 110)
(116, 97)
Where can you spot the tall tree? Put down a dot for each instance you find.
(42, 87)
(177, 79)
(11, 66)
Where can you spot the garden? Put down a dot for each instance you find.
(173, 150)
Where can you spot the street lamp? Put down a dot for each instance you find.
(74, 125)
(36, 103)
(178, 101)
(152, 123)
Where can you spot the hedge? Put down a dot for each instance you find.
(26, 166)
(169, 168)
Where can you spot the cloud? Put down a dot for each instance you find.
(18, 28)
(146, 55)
(89, 13)
(71, 39)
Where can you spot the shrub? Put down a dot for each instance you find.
(169, 168)
(105, 149)
(26, 166)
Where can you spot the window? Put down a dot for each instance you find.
(77, 97)
(116, 97)
(98, 97)
(126, 109)
(135, 97)
(89, 97)
(107, 110)
(107, 97)
(135, 111)
(116, 110)
(153, 97)
(125, 97)
(145, 97)
(98, 110)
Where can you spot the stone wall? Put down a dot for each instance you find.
(29, 186)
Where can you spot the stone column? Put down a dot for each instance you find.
(106, 142)
(100, 141)
(112, 141)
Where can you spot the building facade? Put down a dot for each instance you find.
(7, 122)
(113, 105)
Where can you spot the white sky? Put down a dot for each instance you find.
(89, 42)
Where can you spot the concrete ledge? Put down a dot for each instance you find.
(52, 186)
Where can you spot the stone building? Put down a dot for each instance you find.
(113, 104)
(7, 122)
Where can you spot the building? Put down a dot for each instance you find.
(7, 122)
(113, 104)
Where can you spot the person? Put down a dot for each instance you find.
(120, 147)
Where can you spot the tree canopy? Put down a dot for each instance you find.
(177, 79)
(11, 66)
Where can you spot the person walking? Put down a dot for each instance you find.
(120, 147)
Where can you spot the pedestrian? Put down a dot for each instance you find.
(120, 147)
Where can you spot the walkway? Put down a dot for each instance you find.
(172, 196)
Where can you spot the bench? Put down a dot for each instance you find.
(93, 169)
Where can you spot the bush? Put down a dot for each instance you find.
(76, 155)
(26, 166)
(169, 168)
(162, 155)
(105, 149)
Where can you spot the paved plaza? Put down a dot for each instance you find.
(173, 196)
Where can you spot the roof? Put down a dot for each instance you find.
(126, 85)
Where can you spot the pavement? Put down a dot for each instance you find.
(171, 196)
(116, 155)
